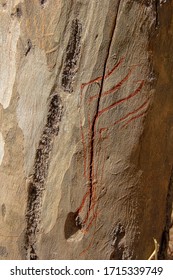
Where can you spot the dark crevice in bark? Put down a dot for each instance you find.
(42, 2)
(28, 47)
(97, 108)
(118, 245)
(36, 186)
(157, 4)
(162, 255)
(18, 12)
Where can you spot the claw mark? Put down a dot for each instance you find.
(98, 79)
(144, 105)
(92, 137)
(122, 100)
(95, 136)
(89, 246)
(134, 118)
(90, 223)
(114, 89)
(114, 68)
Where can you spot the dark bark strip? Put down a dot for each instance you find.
(97, 108)
(36, 185)
(162, 255)
(157, 4)
(72, 55)
(117, 243)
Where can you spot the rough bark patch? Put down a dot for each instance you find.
(36, 185)
(72, 55)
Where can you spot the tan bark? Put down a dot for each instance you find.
(86, 136)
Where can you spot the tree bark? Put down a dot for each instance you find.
(86, 136)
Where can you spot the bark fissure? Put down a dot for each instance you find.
(157, 4)
(94, 121)
(28, 47)
(36, 186)
(162, 255)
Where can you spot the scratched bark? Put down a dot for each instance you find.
(86, 130)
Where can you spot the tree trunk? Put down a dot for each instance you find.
(86, 136)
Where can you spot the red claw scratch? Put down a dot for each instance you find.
(90, 223)
(109, 73)
(113, 105)
(100, 134)
(83, 202)
(134, 118)
(89, 246)
(117, 86)
(144, 105)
